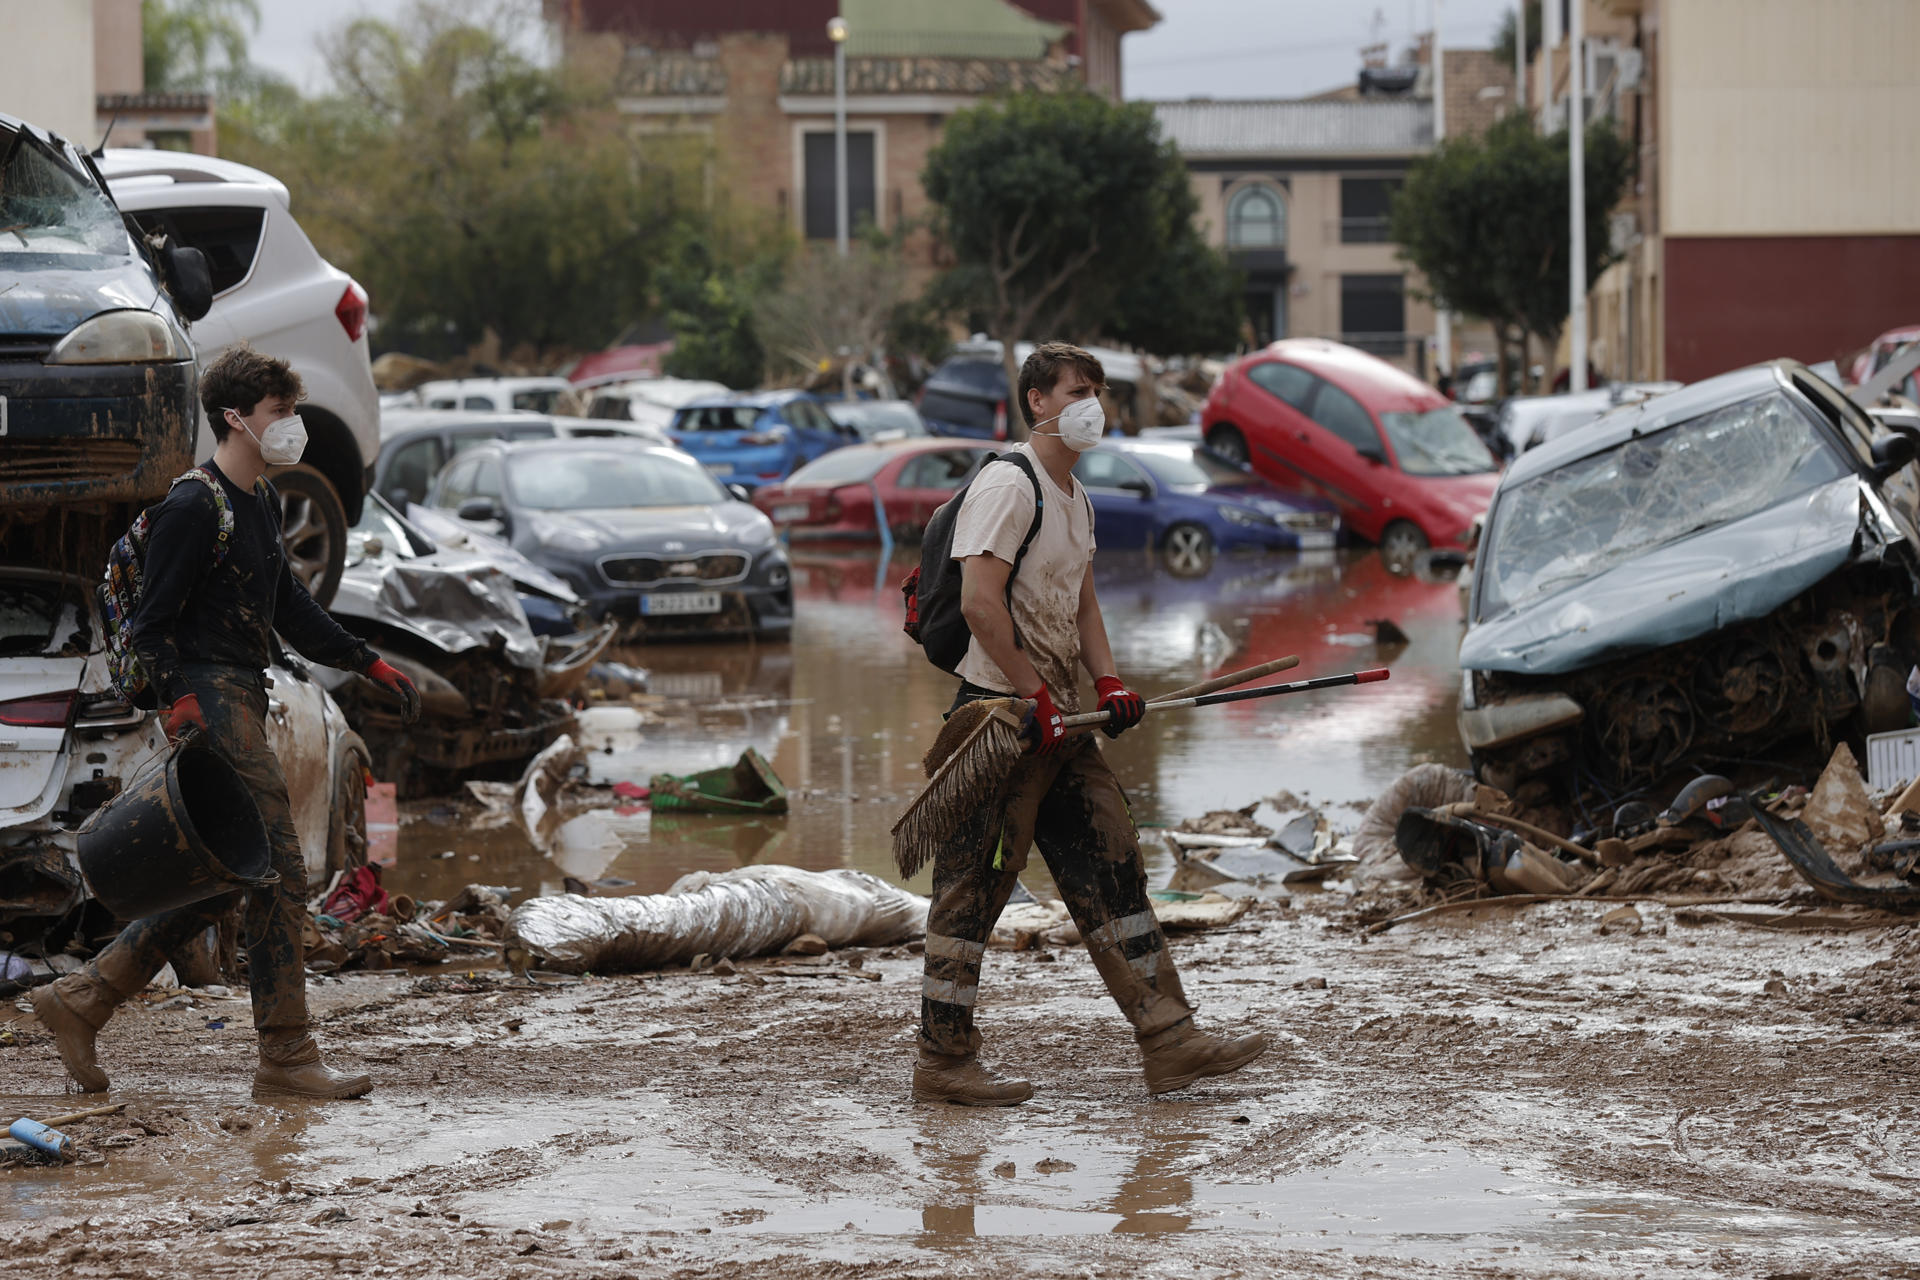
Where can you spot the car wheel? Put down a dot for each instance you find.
(313, 529)
(1400, 543)
(1229, 444)
(347, 828)
(1188, 549)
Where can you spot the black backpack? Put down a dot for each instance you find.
(932, 591)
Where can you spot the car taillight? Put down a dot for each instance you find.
(761, 437)
(351, 311)
(1000, 420)
(41, 711)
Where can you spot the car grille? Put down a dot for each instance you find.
(718, 566)
(1304, 521)
(25, 347)
(69, 461)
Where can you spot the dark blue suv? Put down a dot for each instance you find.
(751, 438)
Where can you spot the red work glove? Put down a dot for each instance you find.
(1123, 706)
(383, 672)
(1045, 725)
(183, 715)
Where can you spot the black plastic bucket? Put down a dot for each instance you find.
(185, 830)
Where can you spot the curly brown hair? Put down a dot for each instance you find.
(240, 378)
(1049, 360)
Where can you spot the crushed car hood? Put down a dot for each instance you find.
(1736, 572)
(453, 601)
(53, 300)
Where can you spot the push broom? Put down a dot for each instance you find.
(978, 766)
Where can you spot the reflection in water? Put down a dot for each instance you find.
(844, 710)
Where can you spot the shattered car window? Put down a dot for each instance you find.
(590, 481)
(1438, 442)
(50, 207)
(30, 614)
(1577, 522)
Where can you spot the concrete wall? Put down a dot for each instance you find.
(46, 65)
(1785, 117)
(118, 62)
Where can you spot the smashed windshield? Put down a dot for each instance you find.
(590, 481)
(50, 206)
(1575, 523)
(1436, 442)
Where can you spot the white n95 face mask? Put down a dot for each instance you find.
(282, 442)
(1082, 423)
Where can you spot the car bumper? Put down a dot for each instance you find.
(94, 433)
(743, 609)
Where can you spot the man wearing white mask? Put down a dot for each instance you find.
(203, 632)
(1035, 620)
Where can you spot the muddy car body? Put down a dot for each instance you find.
(1699, 575)
(97, 401)
(69, 742)
(492, 692)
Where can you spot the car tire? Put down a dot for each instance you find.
(1188, 550)
(1227, 441)
(347, 826)
(313, 530)
(1401, 542)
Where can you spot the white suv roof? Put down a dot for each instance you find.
(133, 169)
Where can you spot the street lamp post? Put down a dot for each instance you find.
(1577, 191)
(1443, 316)
(837, 32)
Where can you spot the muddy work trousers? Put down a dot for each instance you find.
(1071, 806)
(234, 702)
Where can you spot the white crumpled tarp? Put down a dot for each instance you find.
(751, 911)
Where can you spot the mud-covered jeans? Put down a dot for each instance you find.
(1071, 806)
(234, 702)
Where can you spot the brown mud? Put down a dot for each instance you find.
(1503, 1091)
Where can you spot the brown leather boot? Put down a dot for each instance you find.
(1181, 1054)
(290, 1066)
(964, 1081)
(75, 1007)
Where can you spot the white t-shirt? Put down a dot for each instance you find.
(994, 517)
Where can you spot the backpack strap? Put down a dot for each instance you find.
(1033, 531)
(223, 506)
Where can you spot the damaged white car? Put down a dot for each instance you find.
(1693, 579)
(69, 743)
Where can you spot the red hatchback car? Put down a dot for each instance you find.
(1316, 417)
(832, 496)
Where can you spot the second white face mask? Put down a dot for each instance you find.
(282, 442)
(1082, 423)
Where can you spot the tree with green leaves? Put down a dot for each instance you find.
(1485, 221)
(200, 46)
(709, 304)
(1071, 217)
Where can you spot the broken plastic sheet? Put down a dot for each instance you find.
(1595, 513)
(751, 911)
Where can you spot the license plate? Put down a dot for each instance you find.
(719, 468)
(661, 603)
(1316, 540)
(791, 511)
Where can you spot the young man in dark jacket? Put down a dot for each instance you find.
(203, 633)
(1031, 641)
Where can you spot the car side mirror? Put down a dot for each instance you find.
(1372, 453)
(478, 509)
(189, 280)
(1140, 487)
(1892, 452)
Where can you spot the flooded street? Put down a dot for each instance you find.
(1502, 1092)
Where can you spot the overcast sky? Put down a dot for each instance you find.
(1221, 48)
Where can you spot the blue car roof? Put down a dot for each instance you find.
(761, 399)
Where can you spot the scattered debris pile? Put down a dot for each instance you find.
(1228, 853)
(359, 925)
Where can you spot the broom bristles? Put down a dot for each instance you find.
(970, 776)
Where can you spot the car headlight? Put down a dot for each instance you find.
(121, 337)
(1242, 516)
(560, 537)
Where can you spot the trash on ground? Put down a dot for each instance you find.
(750, 911)
(749, 785)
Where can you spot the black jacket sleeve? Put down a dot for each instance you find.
(179, 551)
(312, 630)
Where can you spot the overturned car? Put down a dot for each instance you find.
(1695, 577)
(455, 620)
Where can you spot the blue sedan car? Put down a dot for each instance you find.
(1181, 499)
(751, 438)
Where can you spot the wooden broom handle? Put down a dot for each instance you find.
(1229, 680)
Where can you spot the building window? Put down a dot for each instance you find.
(1366, 206)
(1256, 219)
(861, 194)
(1373, 313)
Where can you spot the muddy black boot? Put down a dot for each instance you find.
(78, 1005)
(965, 1081)
(290, 1066)
(1132, 959)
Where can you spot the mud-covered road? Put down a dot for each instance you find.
(1511, 1093)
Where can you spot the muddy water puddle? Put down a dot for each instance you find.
(845, 709)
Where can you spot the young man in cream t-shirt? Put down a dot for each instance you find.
(1030, 642)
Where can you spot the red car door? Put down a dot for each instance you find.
(1352, 458)
(1311, 438)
